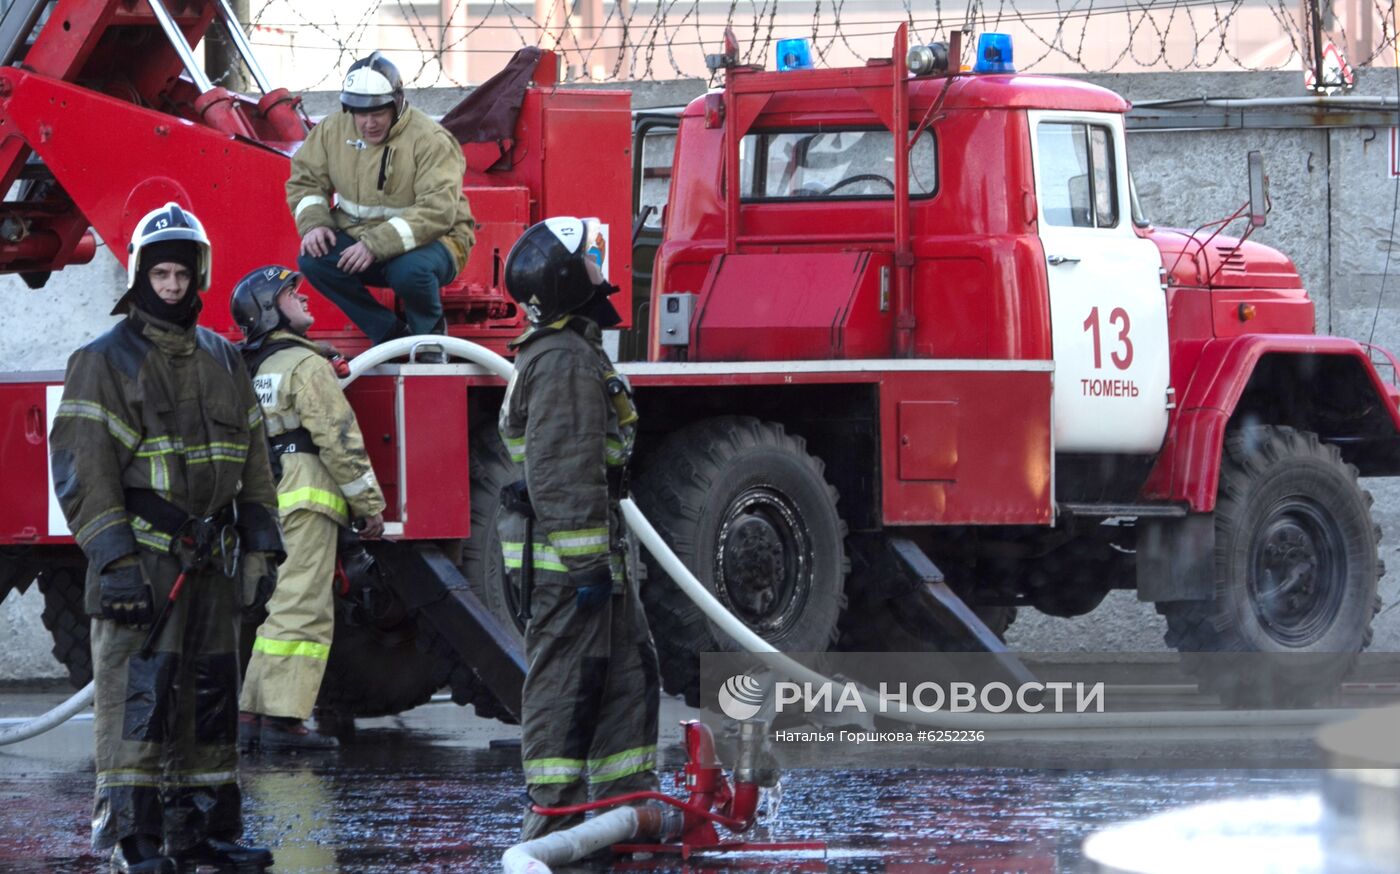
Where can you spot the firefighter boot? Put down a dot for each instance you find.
(225, 856)
(286, 735)
(249, 731)
(140, 854)
(435, 354)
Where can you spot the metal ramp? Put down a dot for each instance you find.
(431, 586)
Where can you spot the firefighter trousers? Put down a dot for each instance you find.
(166, 724)
(294, 642)
(590, 702)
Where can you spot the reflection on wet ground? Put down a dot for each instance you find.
(427, 792)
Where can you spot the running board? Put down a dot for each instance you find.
(427, 581)
(932, 603)
(1140, 511)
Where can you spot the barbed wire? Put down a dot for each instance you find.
(457, 44)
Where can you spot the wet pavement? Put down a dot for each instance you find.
(428, 791)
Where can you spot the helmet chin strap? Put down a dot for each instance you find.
(183, 312)
(600, 309)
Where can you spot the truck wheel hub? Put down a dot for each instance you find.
(1298, 576)
(763, 559)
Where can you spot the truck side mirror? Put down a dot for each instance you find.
(1258, 191)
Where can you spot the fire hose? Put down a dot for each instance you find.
(732, 626)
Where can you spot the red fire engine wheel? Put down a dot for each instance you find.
(746, 507)
(1296, 569)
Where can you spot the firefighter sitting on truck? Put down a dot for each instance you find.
(160, 464)
(591, 695)
(399, 218)
(325, 478)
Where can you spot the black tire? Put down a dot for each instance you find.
(874, 623)
(68, 622)
(1296, 571)
(393, 661)
(739, 493)
(482, 565)
(373, 672)
(876, 626)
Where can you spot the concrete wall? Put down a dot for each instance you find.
(1333, 204)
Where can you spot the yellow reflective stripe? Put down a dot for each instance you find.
(254, 415)
(516, 447)
(538, 771)
(617, 452)
(545, 558)
(585, 541)
(306, 648)
(101, 522)
(75, 409)
(147, 534)
(160, 476)
(157, 447)
(310, 495)
(578, 537)
(623, 764)
(162, 445)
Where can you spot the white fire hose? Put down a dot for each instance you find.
(571, 844)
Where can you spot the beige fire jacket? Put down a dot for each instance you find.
(401, 194)
(298, 389)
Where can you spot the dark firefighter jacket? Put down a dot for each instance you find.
(150, 405)
(298, 389)
(560, 421)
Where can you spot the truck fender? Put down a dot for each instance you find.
(1188, 467)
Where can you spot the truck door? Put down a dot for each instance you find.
(1107, 309)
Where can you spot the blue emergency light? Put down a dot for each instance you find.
(794, 54)
(994, 54)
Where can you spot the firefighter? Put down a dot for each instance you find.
(160, 464)
(591, 691)
(399, 217)
(325, 478)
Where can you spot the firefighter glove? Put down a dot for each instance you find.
(259, 581)
(515, 498)
(126, 597)
(594, 587)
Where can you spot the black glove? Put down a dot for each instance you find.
(262, 593)
(593, 587)
(515, 497)
(259, 579)
(126, 597)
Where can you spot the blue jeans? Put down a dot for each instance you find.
(415, 277)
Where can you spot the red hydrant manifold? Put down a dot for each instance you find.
(685, 827)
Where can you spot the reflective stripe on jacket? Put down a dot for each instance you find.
(150, 405)
(558, 420)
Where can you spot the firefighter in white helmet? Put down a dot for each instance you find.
(376, 192)
(591, 692)
(161, 466)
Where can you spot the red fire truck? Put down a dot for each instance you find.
(886, 308)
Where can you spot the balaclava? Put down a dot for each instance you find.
(181, 252)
